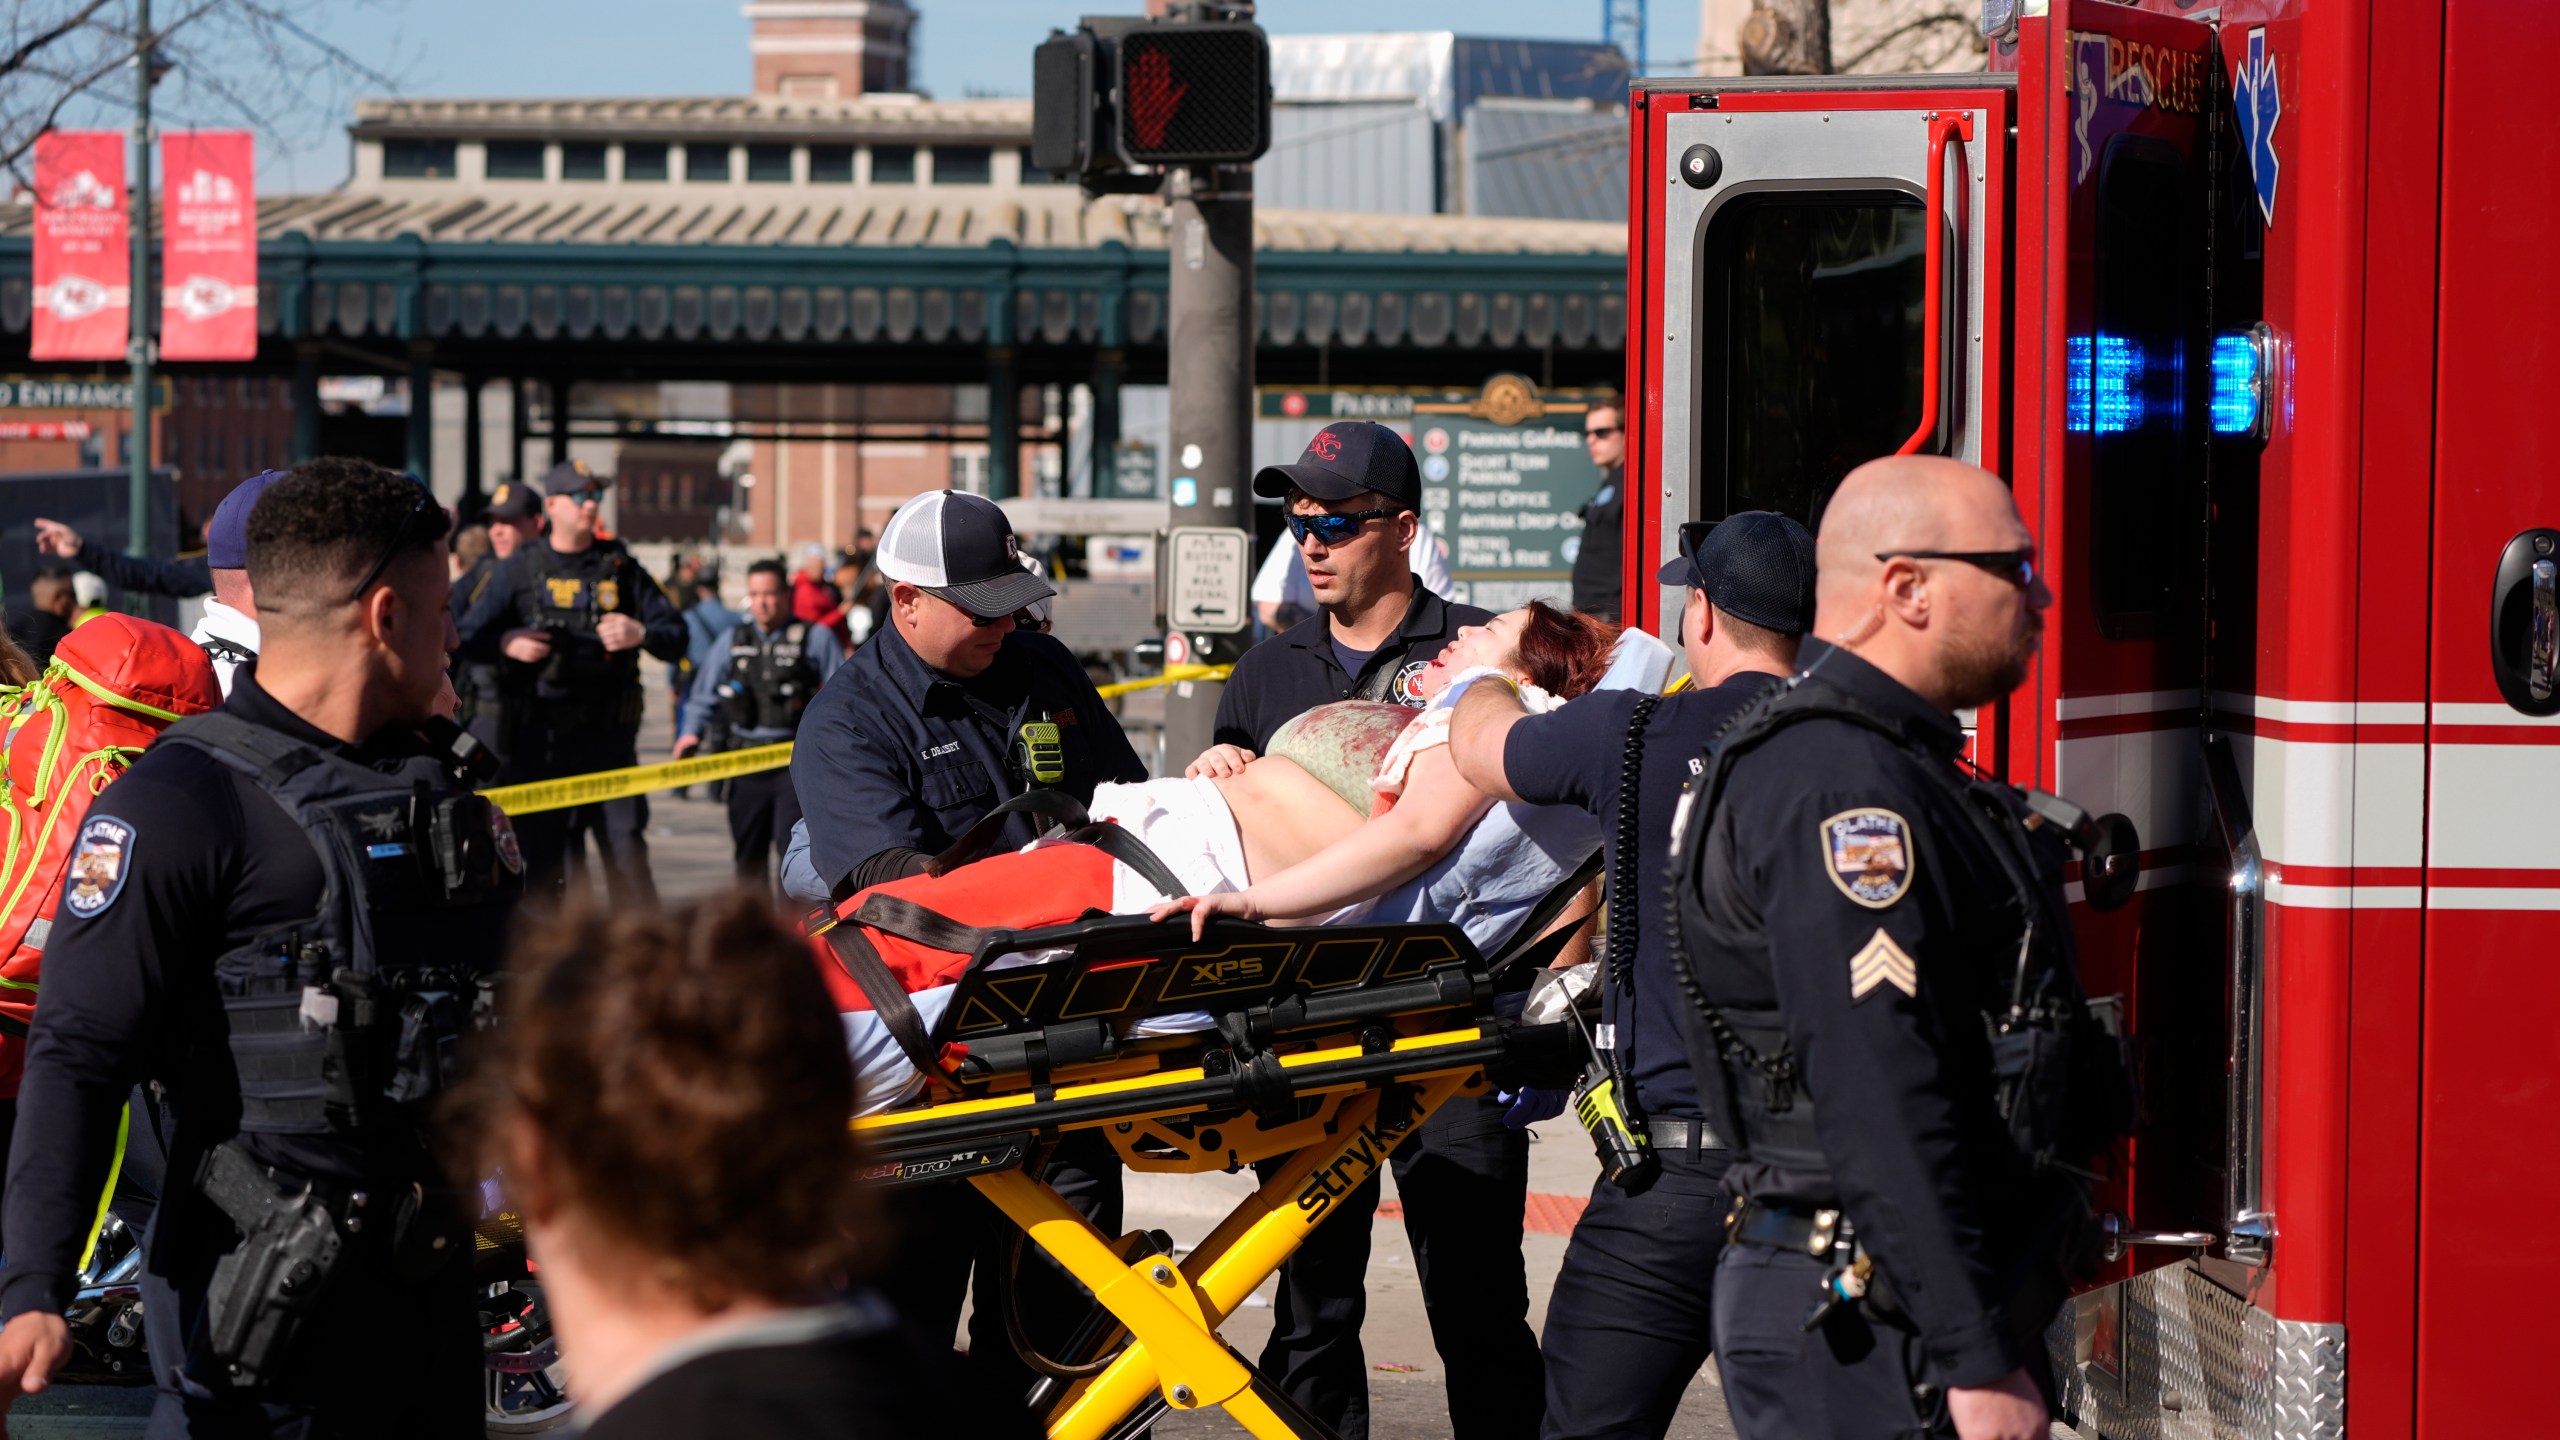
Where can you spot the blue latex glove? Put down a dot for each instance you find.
(1529, 1105)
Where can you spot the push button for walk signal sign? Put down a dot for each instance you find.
(1205, 577)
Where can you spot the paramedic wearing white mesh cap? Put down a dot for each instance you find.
(945, 713)
(949, 711)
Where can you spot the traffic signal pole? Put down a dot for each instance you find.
(1209, 360)
(145, 292)
(1182, 100)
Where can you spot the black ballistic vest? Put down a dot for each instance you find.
(348, 1020)
(2057, 1074)
(770, 678)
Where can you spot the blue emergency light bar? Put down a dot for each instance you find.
(2243, 378)
(2103, 384)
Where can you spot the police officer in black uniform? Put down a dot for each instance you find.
(288, 915)
(1629, 1320)
(484, 683)
(764, 671)
(1890, 1027)
(1598, 580)
(938, 719)
(575, 611)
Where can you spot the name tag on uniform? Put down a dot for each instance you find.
(945, 748)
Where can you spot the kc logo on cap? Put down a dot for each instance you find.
(1326, 446)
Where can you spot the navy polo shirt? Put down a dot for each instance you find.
(895, 755)
(1297, 670)
(1573, 756)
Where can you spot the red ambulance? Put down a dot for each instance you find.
(2249, 304)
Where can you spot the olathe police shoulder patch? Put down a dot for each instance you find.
(100, 859)
(1869, 855)
(1880, 962)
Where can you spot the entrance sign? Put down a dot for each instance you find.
(1205, 576)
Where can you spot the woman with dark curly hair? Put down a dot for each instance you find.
(666, 1106)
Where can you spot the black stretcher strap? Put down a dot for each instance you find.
(1107, 837)
(889, 999)
(1056, 806)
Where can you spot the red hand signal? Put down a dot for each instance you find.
(1154, 96)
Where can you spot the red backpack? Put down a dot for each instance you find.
(115, 683)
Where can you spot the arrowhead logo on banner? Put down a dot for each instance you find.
(84, 267)
(209, 248)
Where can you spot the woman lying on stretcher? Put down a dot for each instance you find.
(1357, 812)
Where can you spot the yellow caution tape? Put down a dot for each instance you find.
(1171, 674)
(535, 796)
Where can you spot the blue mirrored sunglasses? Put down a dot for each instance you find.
(1334, 529)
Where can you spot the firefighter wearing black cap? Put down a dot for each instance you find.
(1889, 1028)
(289, 916)
(514, 518)
(1629, 1320)
(573, 613)
(1352, 499)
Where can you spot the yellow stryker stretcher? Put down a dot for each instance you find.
(1331, 1045)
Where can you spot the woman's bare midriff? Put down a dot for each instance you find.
(1283, 814)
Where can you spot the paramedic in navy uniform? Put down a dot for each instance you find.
(1352, 499)
(1856, 914)
(910, 742)
(1630, 1319)
(190, 868)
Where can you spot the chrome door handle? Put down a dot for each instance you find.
(2524, 622)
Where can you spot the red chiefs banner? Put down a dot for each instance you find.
(209, 249)
(84, 267)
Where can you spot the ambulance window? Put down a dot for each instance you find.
(1808, 345)
(2129, 382)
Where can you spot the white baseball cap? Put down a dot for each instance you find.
(960, 547)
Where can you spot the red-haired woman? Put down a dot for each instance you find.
(666, 1104)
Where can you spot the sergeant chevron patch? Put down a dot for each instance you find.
(1881, 962)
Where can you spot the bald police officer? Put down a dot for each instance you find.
(1890, 1029)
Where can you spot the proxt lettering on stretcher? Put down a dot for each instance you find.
(994, 1003)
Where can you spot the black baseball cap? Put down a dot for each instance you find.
(1344, 459)
(512, 501)
(961, 547)
(572, 477)
(1756, 566)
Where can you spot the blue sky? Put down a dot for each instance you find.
(698, 47)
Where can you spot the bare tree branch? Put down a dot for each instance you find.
(28, 51)
(1908, 27)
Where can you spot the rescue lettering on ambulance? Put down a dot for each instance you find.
(2155, 77)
